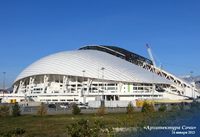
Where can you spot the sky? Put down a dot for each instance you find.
(32, 29)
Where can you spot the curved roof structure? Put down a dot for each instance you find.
(119, 52)
(73, 63)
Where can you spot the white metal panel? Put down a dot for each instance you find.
(74, 62)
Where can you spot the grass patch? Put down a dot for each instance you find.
(51, 126)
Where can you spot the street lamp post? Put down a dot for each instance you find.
(83, 95)
(193, 83)
(98, 85)
(4, 80)
(103, 103)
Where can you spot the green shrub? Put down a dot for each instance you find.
(79, 129)
(162, 108)
(101, 111)
(85, 128)
(4, 111)
(75, 109)
(42, 111)
(148, 107)
(17, 132)
(16, 110)
(129, 109)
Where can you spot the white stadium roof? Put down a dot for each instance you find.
(73, 63)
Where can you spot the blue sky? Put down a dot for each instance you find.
(31, 29)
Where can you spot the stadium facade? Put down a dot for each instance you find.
(95, 73)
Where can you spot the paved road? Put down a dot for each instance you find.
(55, 111)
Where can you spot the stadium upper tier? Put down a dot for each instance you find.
(91, 62)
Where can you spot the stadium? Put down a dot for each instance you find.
(98, 73)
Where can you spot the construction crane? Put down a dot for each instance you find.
(151, 55)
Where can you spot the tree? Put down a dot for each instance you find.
(182, 106)
(129, 109)
(175, 108)
(148, 107)
(4, 111)
(42, 110)
(101, 111)
(16, 110)
(162, 108)
(75, 109)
